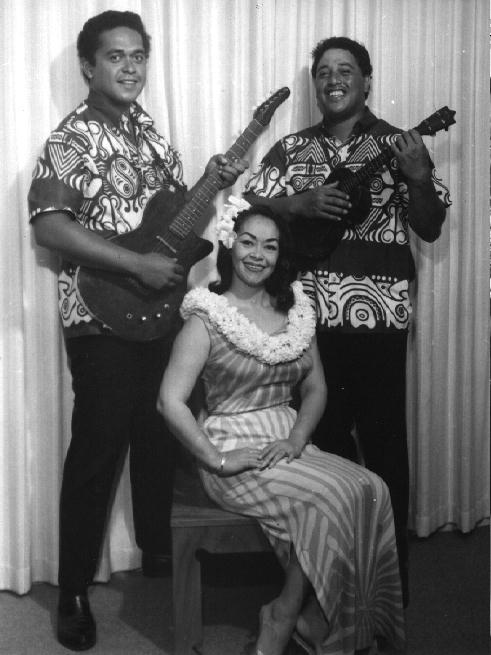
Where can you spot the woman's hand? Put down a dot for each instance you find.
(240, 459)
(272, 453)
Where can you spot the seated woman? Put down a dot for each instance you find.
(328, 520)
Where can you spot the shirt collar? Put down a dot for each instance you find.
(363, 125)
(111, 114)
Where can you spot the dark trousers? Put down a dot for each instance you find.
(366, 390)
(116, 384)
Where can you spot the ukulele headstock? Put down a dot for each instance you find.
(265, 111)
(440, 120)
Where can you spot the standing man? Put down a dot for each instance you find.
(361, 289)
(94, 178)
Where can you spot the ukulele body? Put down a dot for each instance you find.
(315, 238)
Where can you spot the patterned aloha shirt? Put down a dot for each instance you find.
(364, 286)
(91, 168)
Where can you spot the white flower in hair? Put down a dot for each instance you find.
(226, 223)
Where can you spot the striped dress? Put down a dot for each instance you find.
(335, 514)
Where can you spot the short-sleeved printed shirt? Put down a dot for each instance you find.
(101, 167)
(364, 286)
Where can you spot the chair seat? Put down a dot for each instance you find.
(197, 523)
(192, 506)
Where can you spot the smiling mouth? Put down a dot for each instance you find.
(336, 93)
(254, 267)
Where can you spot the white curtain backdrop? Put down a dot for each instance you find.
(211, 62)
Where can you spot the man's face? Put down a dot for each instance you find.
(340, 86)
(120, 68)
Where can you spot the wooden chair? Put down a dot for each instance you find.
(198, 524)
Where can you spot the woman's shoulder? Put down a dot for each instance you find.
(202, 301)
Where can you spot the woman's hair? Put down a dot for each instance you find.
(88, 39)
(278, 284)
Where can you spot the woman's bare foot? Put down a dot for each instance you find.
(275, 629)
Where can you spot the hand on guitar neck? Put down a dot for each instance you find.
(221, 171)
(412, 156)
(228, 170)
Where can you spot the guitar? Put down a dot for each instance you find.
(315, 239)
(131, 310)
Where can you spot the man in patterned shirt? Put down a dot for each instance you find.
(361, 288)
(94, 178)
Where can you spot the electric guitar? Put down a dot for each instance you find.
(133, 311)
(315, 239)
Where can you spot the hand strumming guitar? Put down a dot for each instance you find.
(324, 202)
(158, 271)
(57, 231)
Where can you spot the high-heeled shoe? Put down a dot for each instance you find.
(303, 643)
(312, 628)
(276, 633)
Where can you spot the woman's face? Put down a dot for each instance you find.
(255, 250)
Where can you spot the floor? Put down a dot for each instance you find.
(448, 612)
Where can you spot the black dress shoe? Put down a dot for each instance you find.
(156, 566)
(76, 625)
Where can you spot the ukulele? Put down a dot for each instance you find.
(136, 312)
(315, 239)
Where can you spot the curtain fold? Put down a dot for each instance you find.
(212, 61)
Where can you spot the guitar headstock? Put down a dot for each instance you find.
(440, 120)
(265, 111)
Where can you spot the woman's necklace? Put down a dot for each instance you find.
(260, 311)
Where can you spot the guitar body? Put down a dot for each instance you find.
(132, 311)
(315, 239)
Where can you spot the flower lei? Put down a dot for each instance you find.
(285, 346)
(226, 223)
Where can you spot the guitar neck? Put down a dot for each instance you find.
(208, 187)
(369, 169)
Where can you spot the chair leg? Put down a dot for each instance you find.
(186, 581)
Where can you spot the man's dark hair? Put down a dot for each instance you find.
(278, 284)
(88, 39)
(359, 52)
